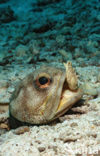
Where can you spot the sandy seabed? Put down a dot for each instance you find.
(34, 33)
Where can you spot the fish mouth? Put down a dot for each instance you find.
(67, 99)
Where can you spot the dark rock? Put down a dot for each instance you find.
(46, 2)
(7, 15)
(3, 1)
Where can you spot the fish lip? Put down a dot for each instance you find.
(65, 87)
(77, 94)
(62, 91)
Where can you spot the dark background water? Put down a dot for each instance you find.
(49, 31)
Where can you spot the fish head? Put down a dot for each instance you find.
(42, 96)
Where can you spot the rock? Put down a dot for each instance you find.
(21, 130)
(34, 47)
(21, 51)
(60, 39)
(89, 89)
(7, 15)
(98, 77)
(3, 1)
(78, 53)
(3, 54)
(41, 148)
(46, 2)
(4, 94)
(65, 54)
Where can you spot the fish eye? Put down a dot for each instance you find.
(43, 81)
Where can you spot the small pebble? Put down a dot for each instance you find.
(21, 130)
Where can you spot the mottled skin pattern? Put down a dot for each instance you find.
(36, 103)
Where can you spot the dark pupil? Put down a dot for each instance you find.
(43, 80)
